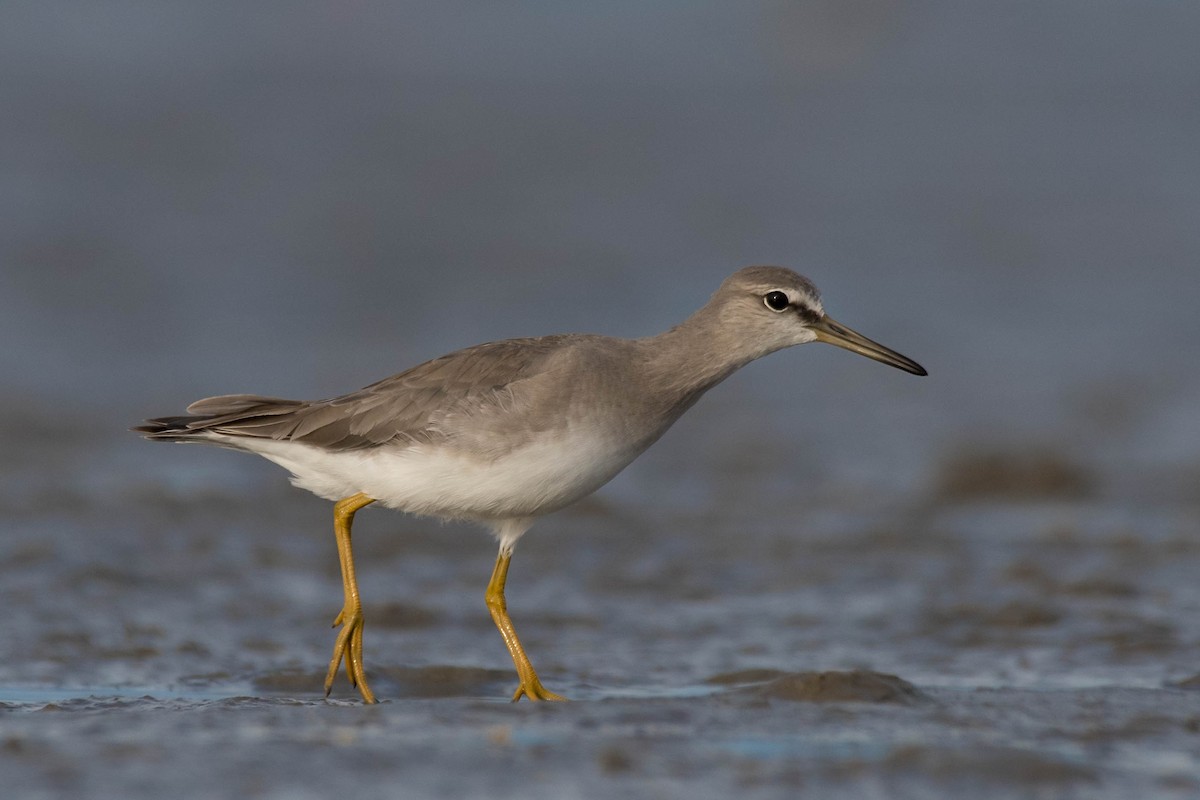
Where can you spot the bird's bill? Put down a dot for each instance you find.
(838, 334)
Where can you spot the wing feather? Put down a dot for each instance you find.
(406, 407)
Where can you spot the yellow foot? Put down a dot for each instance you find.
(349, 646)
(534, 690)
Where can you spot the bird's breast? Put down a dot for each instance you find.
(544, 474)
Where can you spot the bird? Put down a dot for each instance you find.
(505, 432)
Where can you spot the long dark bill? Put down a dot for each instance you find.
(838, 334)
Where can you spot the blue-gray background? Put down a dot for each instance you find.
(299, 198)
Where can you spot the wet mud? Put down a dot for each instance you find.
(943, 647)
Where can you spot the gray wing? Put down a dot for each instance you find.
(407, 407)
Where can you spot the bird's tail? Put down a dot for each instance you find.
(203, 416)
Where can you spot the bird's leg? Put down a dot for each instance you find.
(349, 644)
(530, 686)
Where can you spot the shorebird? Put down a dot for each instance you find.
(506, 432)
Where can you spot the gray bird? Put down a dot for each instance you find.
(505, 432)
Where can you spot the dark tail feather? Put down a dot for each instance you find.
(235, 414)
(168, 429)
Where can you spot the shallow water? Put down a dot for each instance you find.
(1050, 648)
(210, 201)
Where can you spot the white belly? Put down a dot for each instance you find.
(538, 478)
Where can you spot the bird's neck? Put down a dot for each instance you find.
(694, 356)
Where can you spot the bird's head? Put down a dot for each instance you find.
(777, 308)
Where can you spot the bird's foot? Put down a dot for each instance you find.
(532, 688)
(349, 646)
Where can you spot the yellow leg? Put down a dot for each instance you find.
(349, 644)
(530, 686)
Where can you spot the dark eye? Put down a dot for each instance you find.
(776, 301)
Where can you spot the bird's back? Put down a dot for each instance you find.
(509, 385)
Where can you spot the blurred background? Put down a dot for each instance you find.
(297, 199)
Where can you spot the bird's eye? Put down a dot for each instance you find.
(776, 301)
